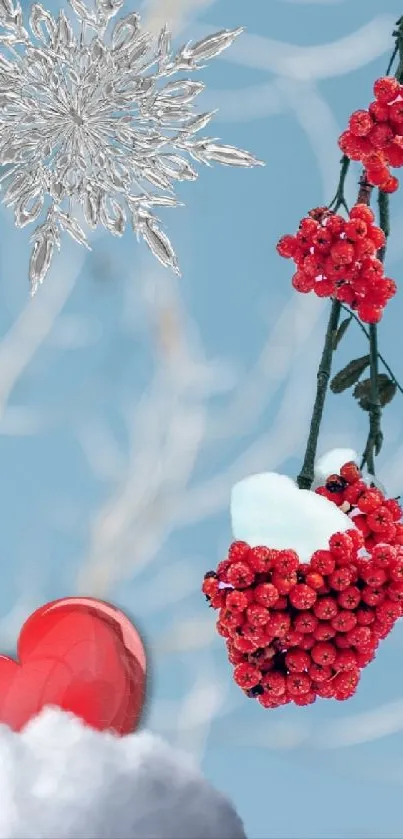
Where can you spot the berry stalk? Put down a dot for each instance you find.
(306, 476)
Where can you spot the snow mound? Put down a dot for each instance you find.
(269, 509)
(61, 779)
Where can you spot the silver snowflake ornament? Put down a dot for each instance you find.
(94, 129)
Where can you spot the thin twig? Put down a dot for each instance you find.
(339, 198)
(306, 476)
(380, 356)
(375, 436)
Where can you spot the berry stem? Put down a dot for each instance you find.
(306, 476)
(380, 356)
(339, 198)
(375, 437)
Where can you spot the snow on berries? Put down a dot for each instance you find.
(375, 136)
(335, 257)
(297, 630)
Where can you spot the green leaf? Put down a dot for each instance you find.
(386, 391)
(349, 375)
(341, 331)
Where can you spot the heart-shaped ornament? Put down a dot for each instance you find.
(82, 655)
(296, 630)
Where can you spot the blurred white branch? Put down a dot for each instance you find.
(322, 61)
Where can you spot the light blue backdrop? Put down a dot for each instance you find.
(131, 402)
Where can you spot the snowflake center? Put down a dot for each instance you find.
(77, 118)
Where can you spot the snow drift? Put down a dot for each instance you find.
(62, 780)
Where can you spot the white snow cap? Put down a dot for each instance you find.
(331, 462)
(269, 509)
(59, 778)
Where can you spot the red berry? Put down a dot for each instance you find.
(342, 252)
(356, 538)
(278, 624)
(382, 555)
(240, 575)
(350, 471)
(345, 684)
(297, 661)
(394, 508)
(303, 283)
(308, 640)
(298, 684)
(389, 610)
(210, 584)
(360, 123)
(380, 520)
(257, 615)
(369, 313)
(314, 580)
(370, 500)
(246, 676)
(386, 89)
(353, 492)
(274, 684)
(359, 637)
(305, 622)
(266, 594)
(325, 608)
(287, 246)
(340, 578)
(345, 660)
(302, 596)
(323, 562)
(236, 601)
(261, 559)
(377, 235)
(349, 598)
(324, 631)
(234, 655)
(326, 690)
(395, 591)
(323, 653)
(373, 576)
(372, 596)
(341, 546)
(362, 211)
(381, 135)
(222, 569)
(243, 644)
(319, 673)
(365, 615)
(390, 185)
(378, 111)
(286, 561)
(395, 571)
(238, 551)
(344, 621)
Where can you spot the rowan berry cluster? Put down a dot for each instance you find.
(297, 631)
(337, 258)
(378, 518)
(375, 136)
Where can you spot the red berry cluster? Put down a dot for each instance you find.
(335, 257)
(295, 631)
(378, 518)
(375, 136)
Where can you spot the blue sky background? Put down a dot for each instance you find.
(130, 402)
